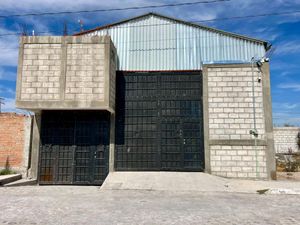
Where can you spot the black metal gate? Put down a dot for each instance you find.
(159, 122)
(74, 147)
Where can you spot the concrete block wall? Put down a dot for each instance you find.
(230, 103)
(238, 161)
(14, 141)
(85, 72)
(65, 73)
(41, 72)
(231, 150)
(286, 138)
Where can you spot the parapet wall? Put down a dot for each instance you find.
(66, 73)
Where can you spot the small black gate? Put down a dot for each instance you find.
(159, 121)
(74, 147)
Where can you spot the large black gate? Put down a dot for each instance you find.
(159, 122)
(74, 147)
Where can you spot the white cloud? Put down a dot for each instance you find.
(279, 64)
(9, 106)
(291, 86)
(290, 106)
(7, 75)
(9, 48)
(6, 90)
(26, 6)
(285, 106)
(286, 113)
(281, 118)
(285, 73)
(288, 47)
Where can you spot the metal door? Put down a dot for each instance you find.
(136, 122)
(159, 121)
(74, 147)
(180, 104)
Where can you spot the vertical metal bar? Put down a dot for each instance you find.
(158, 120)
(254, 116)
(74, 149)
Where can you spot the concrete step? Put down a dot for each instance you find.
(164, 181)
(192, 182)
(5, 179)
(22, 182)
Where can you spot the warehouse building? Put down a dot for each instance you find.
(151, 93)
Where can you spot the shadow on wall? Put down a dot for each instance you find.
(7, 170)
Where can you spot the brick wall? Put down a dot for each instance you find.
(286, 138)
(230, 119)
(14, 140)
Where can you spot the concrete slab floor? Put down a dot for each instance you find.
(89, 205)
(193, 182)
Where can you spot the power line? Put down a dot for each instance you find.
(20, 33)
(251, 16)
(113, 9)
(195, 21)
(150, 40)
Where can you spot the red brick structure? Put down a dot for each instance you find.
(14, 135)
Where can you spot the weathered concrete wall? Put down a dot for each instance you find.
(286, 138)
(65, 73)
(231, 150)
(14, 141)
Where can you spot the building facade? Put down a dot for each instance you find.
(150, 93)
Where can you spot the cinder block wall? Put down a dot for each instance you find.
(230, 149)
(66, 73)
(286, 138)
(14, 141)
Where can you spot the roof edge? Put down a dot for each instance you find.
(264, 42)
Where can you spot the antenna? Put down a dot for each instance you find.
(1, 103)
(81, 25)
(65, 29)
(270, 52)
(23, 29)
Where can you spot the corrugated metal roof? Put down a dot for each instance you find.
(155, 42)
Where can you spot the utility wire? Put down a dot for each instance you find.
(114, 9)
(146, 41)
(21, 33)
(195, 21)
(251, 16)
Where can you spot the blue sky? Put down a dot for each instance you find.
(282, 31)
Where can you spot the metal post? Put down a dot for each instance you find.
(255, 133)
